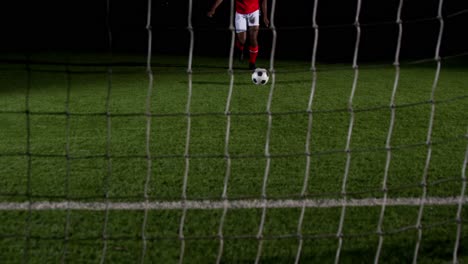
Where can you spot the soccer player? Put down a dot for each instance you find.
(247, 16)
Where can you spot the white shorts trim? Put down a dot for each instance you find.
(244, 20)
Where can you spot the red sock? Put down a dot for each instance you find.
(239, 46)
(253, 54)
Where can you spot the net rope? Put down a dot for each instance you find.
(459, 218)
(227, 112)
(309, 131)
(339, 234)
(268, 133)
(68, 167)
(149, 159)
(429, 134)
(108, 157)
(187, 141)
(27, 229)
(388, 144)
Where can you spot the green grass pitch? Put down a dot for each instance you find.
(41, 233)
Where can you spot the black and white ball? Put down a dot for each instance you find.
(260, 76)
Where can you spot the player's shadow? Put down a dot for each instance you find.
(217, 83)
(242, 82)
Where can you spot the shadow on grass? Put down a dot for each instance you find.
(433, 251)
(240, 82)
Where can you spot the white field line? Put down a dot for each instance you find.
(219, 204)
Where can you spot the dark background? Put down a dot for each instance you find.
(35, 26)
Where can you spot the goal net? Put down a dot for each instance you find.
(342, 156)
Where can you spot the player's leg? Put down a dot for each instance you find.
(253, 47)
(254, 23)
(240, 43)
(241, 34)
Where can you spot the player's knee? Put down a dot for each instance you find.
(254, 29)
(253, 32)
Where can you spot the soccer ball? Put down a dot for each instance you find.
(260, 76)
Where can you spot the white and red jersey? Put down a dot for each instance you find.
(247, 6)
